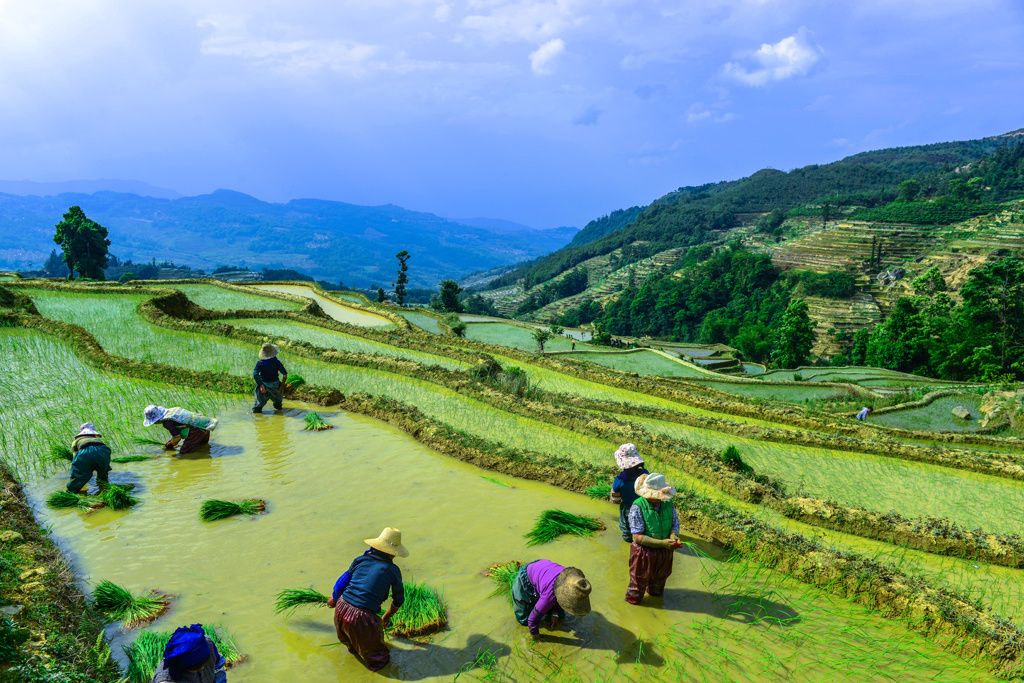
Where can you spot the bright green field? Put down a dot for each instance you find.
(422, 321)
(332, 339)
(219, 299)
(935, 416)
(107, 316)
(871, 481)
(641, 362)
(771, 391)
(506, 334)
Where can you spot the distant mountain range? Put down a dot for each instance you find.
(329, 240)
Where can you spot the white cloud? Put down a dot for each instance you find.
(698, 112)
(508, 21)
(541, 59)
(791, 56)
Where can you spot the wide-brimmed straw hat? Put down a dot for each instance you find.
(152, 415)
(572, 591)
(389, 541)
(627, 456)
(268, 351)
(653, 485)
(87, 429)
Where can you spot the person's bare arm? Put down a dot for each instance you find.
(648, 542)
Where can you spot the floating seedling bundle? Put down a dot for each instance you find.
(424, 611)
(554, 523)
(135, 457)
(315, 423)
(600, 490)
(118, 497)
(114, 496)
(118, 604)
(290, 599)
(504, 575)
(66, 499)
(212, 510)
(147, 651)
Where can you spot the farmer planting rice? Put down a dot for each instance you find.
(627, 457)
(654, 523)
(360, 592)
(90, 455)
(545, 590)
(191, 657)
(270, 374)
(189, 429)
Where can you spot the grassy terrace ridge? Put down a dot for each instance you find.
(714, 515)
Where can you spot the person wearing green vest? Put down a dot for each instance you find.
(654, 523)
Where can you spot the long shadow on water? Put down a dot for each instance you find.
(749, 608)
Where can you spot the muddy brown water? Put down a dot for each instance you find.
(328, 490)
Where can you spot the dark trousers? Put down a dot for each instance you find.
(88, 460)
(363, 633)
(196, 437)
(272, 393)
(649, 568)
(624, 523)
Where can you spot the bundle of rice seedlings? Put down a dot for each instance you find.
(291, 598)
(118, 497)
(424, 611)
(600, 491)
(118, 604)
(146, 652)
(59, 451)
(554, 523)
(499, 482)
(295, 380)
(504, 575)
(132, 458)
(315, 423)
(146, 441)
(66, 499)
(212, 510)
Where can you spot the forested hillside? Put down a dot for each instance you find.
(722, 263)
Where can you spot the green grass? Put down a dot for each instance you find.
(516, 337)
(118, 604)
(424, 611)
(315, 423)
(331, 339)
(213, 510)
(503, 575)
(642, 362)
(554, 523)
(935, 416)
(217, 298)
(290, 599)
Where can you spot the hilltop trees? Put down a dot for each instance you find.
(794, 337)
(447, 298)
(84, 243)
(403, 276)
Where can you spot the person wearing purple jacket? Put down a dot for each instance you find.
(545, 590)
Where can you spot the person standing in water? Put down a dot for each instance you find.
(191, 657)
(359, 593)
(189, 429)
(89, 454)
(654, 523)
(269, 374)
(545, 590)
(631, 466)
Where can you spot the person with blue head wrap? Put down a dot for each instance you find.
(191, 657)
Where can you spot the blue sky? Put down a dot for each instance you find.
(544, 112)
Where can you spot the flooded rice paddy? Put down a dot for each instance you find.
(333, 308)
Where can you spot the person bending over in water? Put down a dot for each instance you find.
(189, 429)
(191, 657)
(545, 590)
(654, 523)
(627, 457)
(359, 593)
(90, 455)
(270, 375)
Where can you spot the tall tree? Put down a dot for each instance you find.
(55, 265)
(541, 336)
(793, 337)
(403, 276)
(447, 299)
(381, 296)
(84, 243)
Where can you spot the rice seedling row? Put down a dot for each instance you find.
(216, 298)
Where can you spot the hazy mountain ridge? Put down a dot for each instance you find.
(327, 239)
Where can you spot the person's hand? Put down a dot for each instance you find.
(553, 622)
(386, 621)
(169, 446)
(330, 602)
(263, 389)
(669, 543)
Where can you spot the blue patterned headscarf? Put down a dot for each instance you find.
(186, 649)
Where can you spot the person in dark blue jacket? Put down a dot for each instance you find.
(359, 593)
(269, 374)
(627, 457)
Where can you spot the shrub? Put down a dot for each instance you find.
(731, 458)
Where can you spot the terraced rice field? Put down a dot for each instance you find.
(641, 362)
(339, 311)
(222, 299)
(719, 620)
(936, 416)
(515, 336)
(423, 321)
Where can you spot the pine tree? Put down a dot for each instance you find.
(403, 276)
